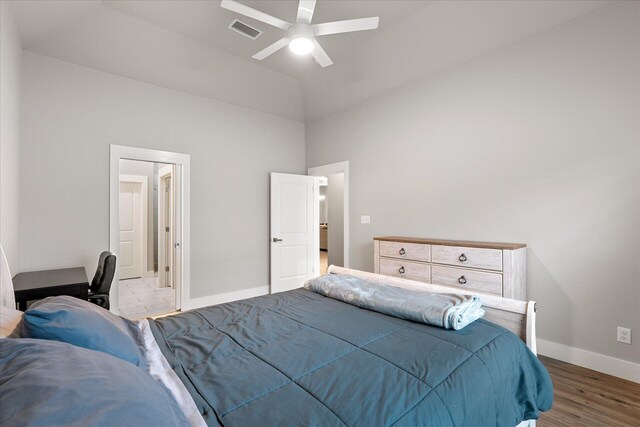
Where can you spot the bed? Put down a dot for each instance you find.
(301, 358)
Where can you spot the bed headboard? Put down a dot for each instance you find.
(517, 316)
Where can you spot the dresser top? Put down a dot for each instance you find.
(466, 243)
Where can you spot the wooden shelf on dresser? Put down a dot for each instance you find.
(483, 267)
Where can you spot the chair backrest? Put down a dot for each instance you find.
(101, 283)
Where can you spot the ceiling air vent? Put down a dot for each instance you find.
(244, 29)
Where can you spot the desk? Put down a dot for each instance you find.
(34, 285)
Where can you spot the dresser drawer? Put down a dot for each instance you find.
(467, 279)
(413, 251)
(405, 269)
(489, 259)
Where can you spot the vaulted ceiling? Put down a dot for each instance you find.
(186, 45)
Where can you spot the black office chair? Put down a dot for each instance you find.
(101, 283)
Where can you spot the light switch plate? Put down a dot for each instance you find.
(365, 219)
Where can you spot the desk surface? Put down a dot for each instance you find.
(49, 278)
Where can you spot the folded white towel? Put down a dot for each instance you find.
(449, 311)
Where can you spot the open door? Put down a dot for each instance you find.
(294, 227)
(166, 227)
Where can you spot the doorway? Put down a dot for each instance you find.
(146, 251)
(324, 224)
(333, 197)
(149, 226)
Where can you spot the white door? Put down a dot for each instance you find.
(294, 227)
(166, 231)
(131, 222)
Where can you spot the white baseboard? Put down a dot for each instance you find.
(588, 359)
(148, 274)
(226, 297)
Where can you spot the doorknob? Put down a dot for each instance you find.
(275, 239)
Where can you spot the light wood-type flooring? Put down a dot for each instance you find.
(583, 397)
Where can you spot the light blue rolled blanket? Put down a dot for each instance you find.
(450, 311)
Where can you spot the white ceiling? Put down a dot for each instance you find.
(186, 45)
(207, 22)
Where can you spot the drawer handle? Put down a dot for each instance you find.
(462, 280)
(401, 252)
(401, 270)
(462, 258)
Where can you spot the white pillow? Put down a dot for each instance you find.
(9, 320)
(7, 297)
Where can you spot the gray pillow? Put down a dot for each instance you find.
(84, 324)
(56, 384)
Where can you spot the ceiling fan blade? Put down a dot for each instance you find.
(255, 14)
(320, 55)
(305, 11)
(346, 26)
(272, 48)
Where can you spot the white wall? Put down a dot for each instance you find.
(536, 142)
(108, 40)
(10, 64)
(70, 115)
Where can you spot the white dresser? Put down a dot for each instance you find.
(484, 267)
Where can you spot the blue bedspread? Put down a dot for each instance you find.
(299, 358)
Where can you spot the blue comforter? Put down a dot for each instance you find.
(299, 358)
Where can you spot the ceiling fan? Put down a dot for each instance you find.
(301, 36)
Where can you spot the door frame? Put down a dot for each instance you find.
(182, 194)
(332, 169)
(163, 172)
(144, 194)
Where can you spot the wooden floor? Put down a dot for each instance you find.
(583, 397)
(324, 261)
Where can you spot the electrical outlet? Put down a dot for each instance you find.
(365, 219)
(624, 335)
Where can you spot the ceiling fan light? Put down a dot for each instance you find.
(301, 45)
